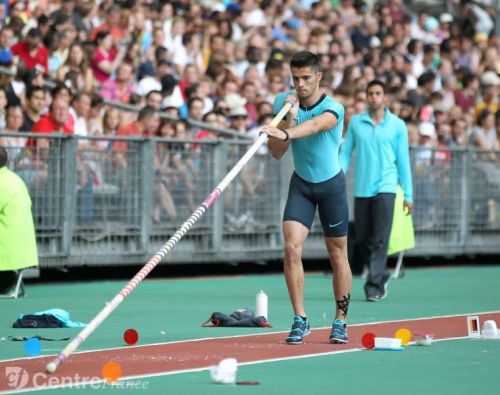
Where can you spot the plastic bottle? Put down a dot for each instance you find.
(261, 304)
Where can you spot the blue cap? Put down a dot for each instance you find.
(234, 8)
(5, 56)
(293, 23)
(431, 23)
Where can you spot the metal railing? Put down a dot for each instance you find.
(227, 132)
(96, 205)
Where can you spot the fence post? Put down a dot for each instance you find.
(465, 209)
(219, 170)
(69, 191)
(147, 192)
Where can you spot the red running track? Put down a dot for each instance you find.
(169, 358)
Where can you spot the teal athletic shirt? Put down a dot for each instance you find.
(316, 157)
(382, 155)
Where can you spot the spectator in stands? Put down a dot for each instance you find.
(55, 121)
(146, 124)
(31, 51)
(60, 49)
(249, 92)
(189, 52)
(151, 78)
(209, 118)
(76, 70)
(106, 59)
(68, 8)
(239, 119)
(466, 97)
(14, 121)
(30, 78)
(3, 108)
(96, 114)
(425, 86)
(489, 93)
(35, 104)
(497, 124)
(6, 41)
(153, 99)
(348, 85)
(363, 36)
(458, 133)
(7, 85)
(172, 95)
(184, 163)
(81, 111)
(165, 174)
(122, 87)
(112, 24)
(190, 76)
(484, 135)
(195, 109)
(134, 56)
(110, 124)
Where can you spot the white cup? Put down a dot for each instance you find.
(489, 329)
(225, 371)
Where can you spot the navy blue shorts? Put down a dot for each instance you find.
(330, 198)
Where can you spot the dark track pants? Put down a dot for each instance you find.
(373, 222)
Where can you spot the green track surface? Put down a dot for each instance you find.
(178, 307)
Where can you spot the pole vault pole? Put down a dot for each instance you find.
(52, 366)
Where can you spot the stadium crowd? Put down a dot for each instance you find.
(222, 63)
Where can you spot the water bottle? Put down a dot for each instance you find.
(261, 304)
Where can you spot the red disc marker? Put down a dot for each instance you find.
(368, 340)
(130, 336)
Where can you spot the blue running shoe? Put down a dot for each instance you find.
(339, 332)
(300, 328)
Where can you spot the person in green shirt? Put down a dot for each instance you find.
(18, 248)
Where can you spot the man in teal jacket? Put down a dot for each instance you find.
(17, 234)
(380, 140)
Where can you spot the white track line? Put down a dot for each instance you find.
(124, 379)
(255, 334)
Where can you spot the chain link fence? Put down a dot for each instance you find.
(97, 205)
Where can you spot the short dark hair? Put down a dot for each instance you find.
(14, 106)
(101, 35)
(153, 92)
(483, 115)
(305, 59)
(3, 157)
(468, 79)
(33, 89)
(34, 33)
(376, 83)
(425, 78)
(146, 112)
(60, 86)
(193, 99)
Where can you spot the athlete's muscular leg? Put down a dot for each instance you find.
(342, 278)
(295, 235)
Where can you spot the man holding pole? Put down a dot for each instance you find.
(313, 129)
